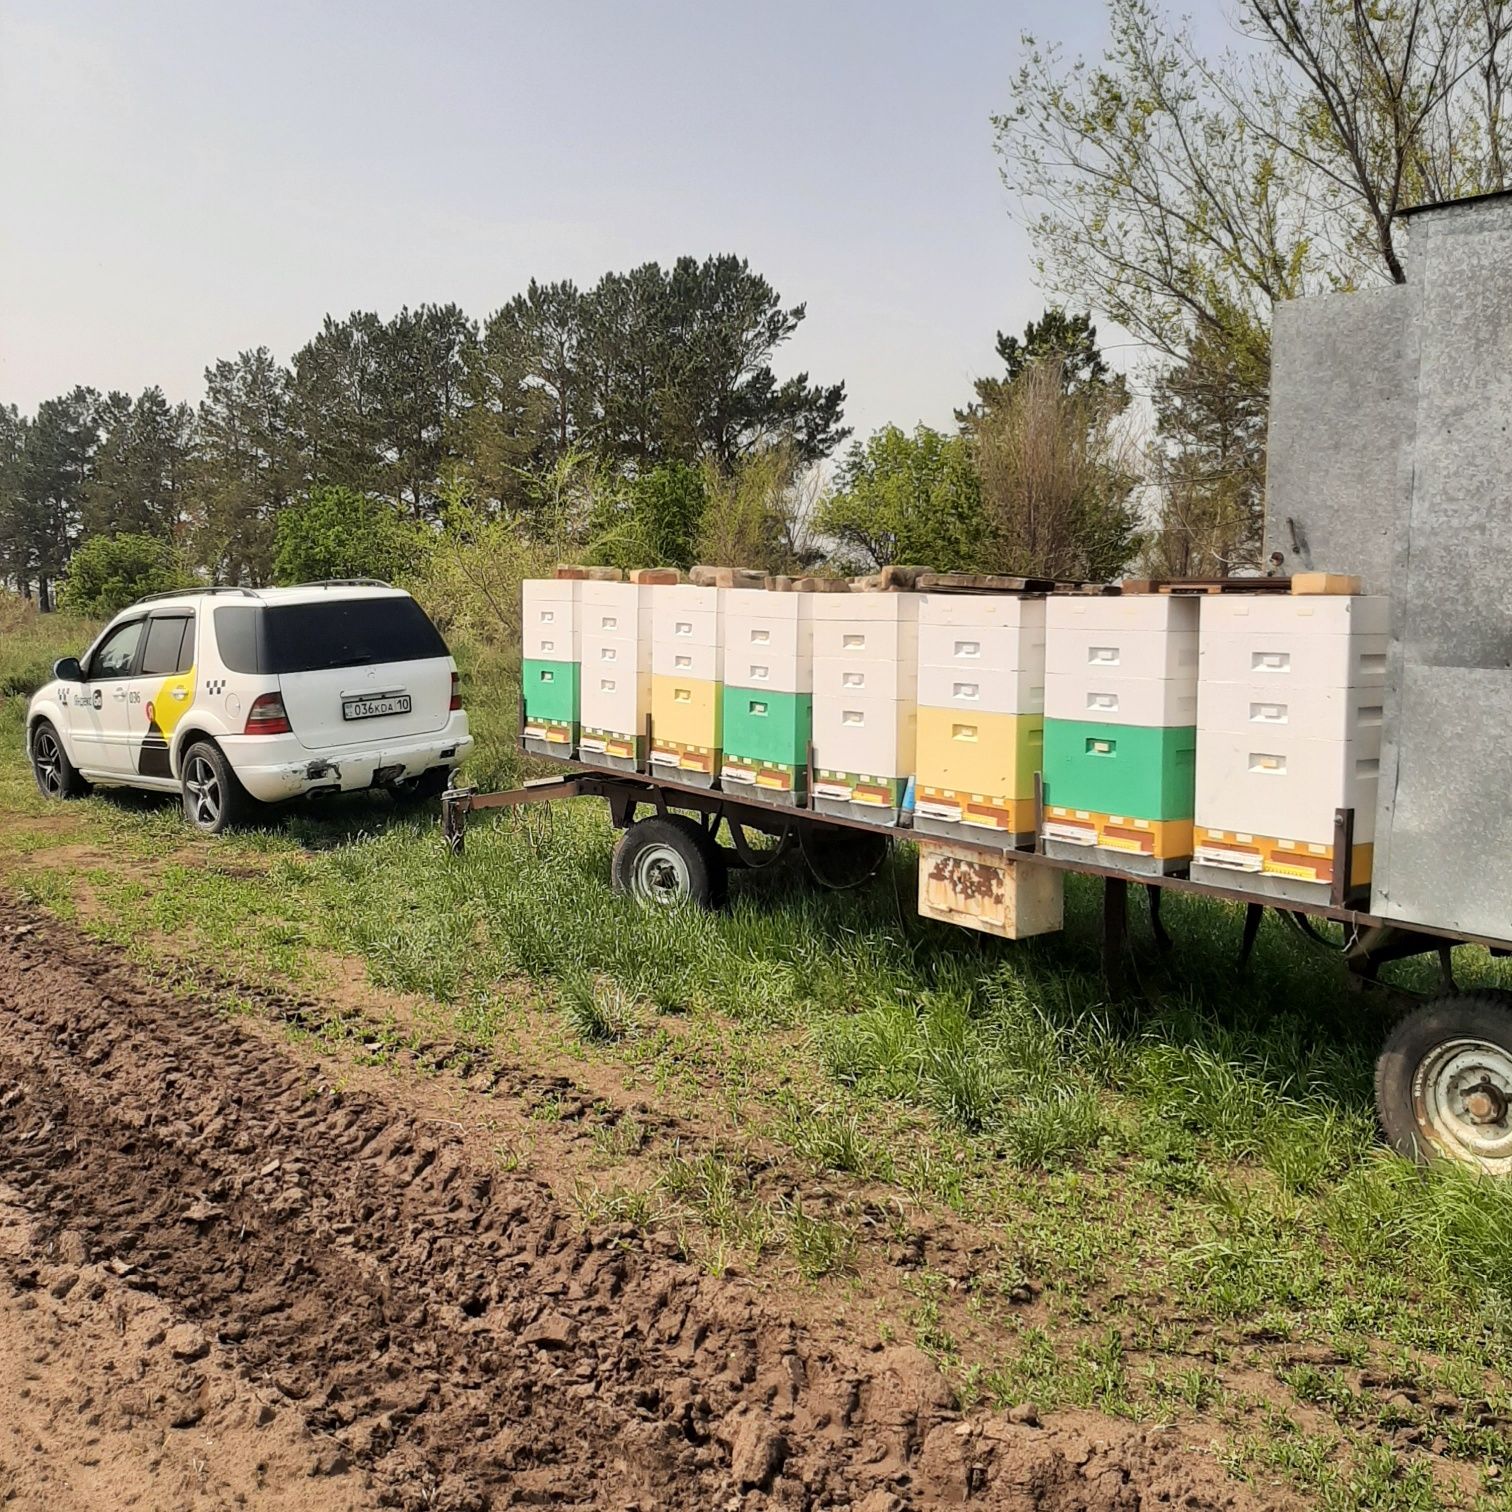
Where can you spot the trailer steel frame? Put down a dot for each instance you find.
(1368, 941)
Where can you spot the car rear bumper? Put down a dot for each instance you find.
(275, 767)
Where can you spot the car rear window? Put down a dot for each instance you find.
(348, 632)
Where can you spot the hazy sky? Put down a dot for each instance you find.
(182, 181)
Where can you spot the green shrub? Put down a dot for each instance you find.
(339, 533)
(107, 573)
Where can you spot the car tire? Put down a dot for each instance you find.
(57, 776)
(1443, 1082)
(214, 799)
(425, 788)
(668, 860)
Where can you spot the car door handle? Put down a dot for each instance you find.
(180, 693)
(119, 695)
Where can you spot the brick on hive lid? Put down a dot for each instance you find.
(658, 577)
(727, 577)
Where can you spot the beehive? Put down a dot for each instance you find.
(981, 715)
(615, 678)
(768, 693)
(1289, 720)
(865, 702)
(550, 677)
(1120, 729)
(687, 707)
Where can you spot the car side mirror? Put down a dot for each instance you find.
(68, 670)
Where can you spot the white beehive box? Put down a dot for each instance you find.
(769, 640)
(881, 629)
(1286, 787)
(551, 626)
(1099, 696)
(865, 706)
(687, 631)
(1097, 645)
(873, 737)
(615, 672)
(982, 651)
(1290, 720)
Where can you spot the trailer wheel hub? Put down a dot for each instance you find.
(661, 876)
(1462, 1095)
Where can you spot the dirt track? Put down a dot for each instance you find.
(223, 1283)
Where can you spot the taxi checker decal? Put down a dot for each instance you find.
(164, 711)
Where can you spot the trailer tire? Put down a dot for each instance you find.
(1443, 1082)
(667, 860)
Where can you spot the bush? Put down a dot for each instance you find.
(109, 572)
(339, 533)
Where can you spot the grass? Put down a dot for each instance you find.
(1192, 1181)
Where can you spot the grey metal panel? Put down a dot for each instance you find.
(1449, 860)
(1444, 847)
(1339, 406)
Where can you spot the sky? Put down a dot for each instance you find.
(183, 181)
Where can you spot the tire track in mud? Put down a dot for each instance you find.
(462, 1341)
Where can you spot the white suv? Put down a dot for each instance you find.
(236, 695)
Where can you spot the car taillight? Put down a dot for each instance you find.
(456, 698)
(267, 716)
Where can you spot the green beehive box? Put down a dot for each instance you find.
(551, 691)
(761, 725)
(1145, 772)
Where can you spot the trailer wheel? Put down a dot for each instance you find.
(667, 860)
(1444, 1082)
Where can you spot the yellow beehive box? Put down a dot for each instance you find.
(686, 710)
(994, 754)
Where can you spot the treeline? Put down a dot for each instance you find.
(654, 372)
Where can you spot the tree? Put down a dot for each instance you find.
(55, 470)
(15, 559)
(902, 498)
(336, 402)
(1070, 339)
(520, 379)
(422, 369)
(1057, 478)
(677, 366)
(247, 467)
(1184, 196)
(339, 533)
(138, 483)
(1208, 458)
(110, 572)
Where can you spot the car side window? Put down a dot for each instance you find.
(170, 646)
(116, 654)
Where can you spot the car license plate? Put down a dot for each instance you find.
(371, 708)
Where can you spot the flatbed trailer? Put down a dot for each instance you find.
(1444, 1075)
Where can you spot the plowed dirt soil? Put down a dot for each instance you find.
(225, 1282)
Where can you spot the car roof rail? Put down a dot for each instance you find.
(167, 593)
(351, 582)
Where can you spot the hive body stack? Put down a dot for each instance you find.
(865, 702)
(981, 707)
(615, 680)
(1120, 730)
(550, 678)
(768, 693)
(1289, 715)
(687, 671)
